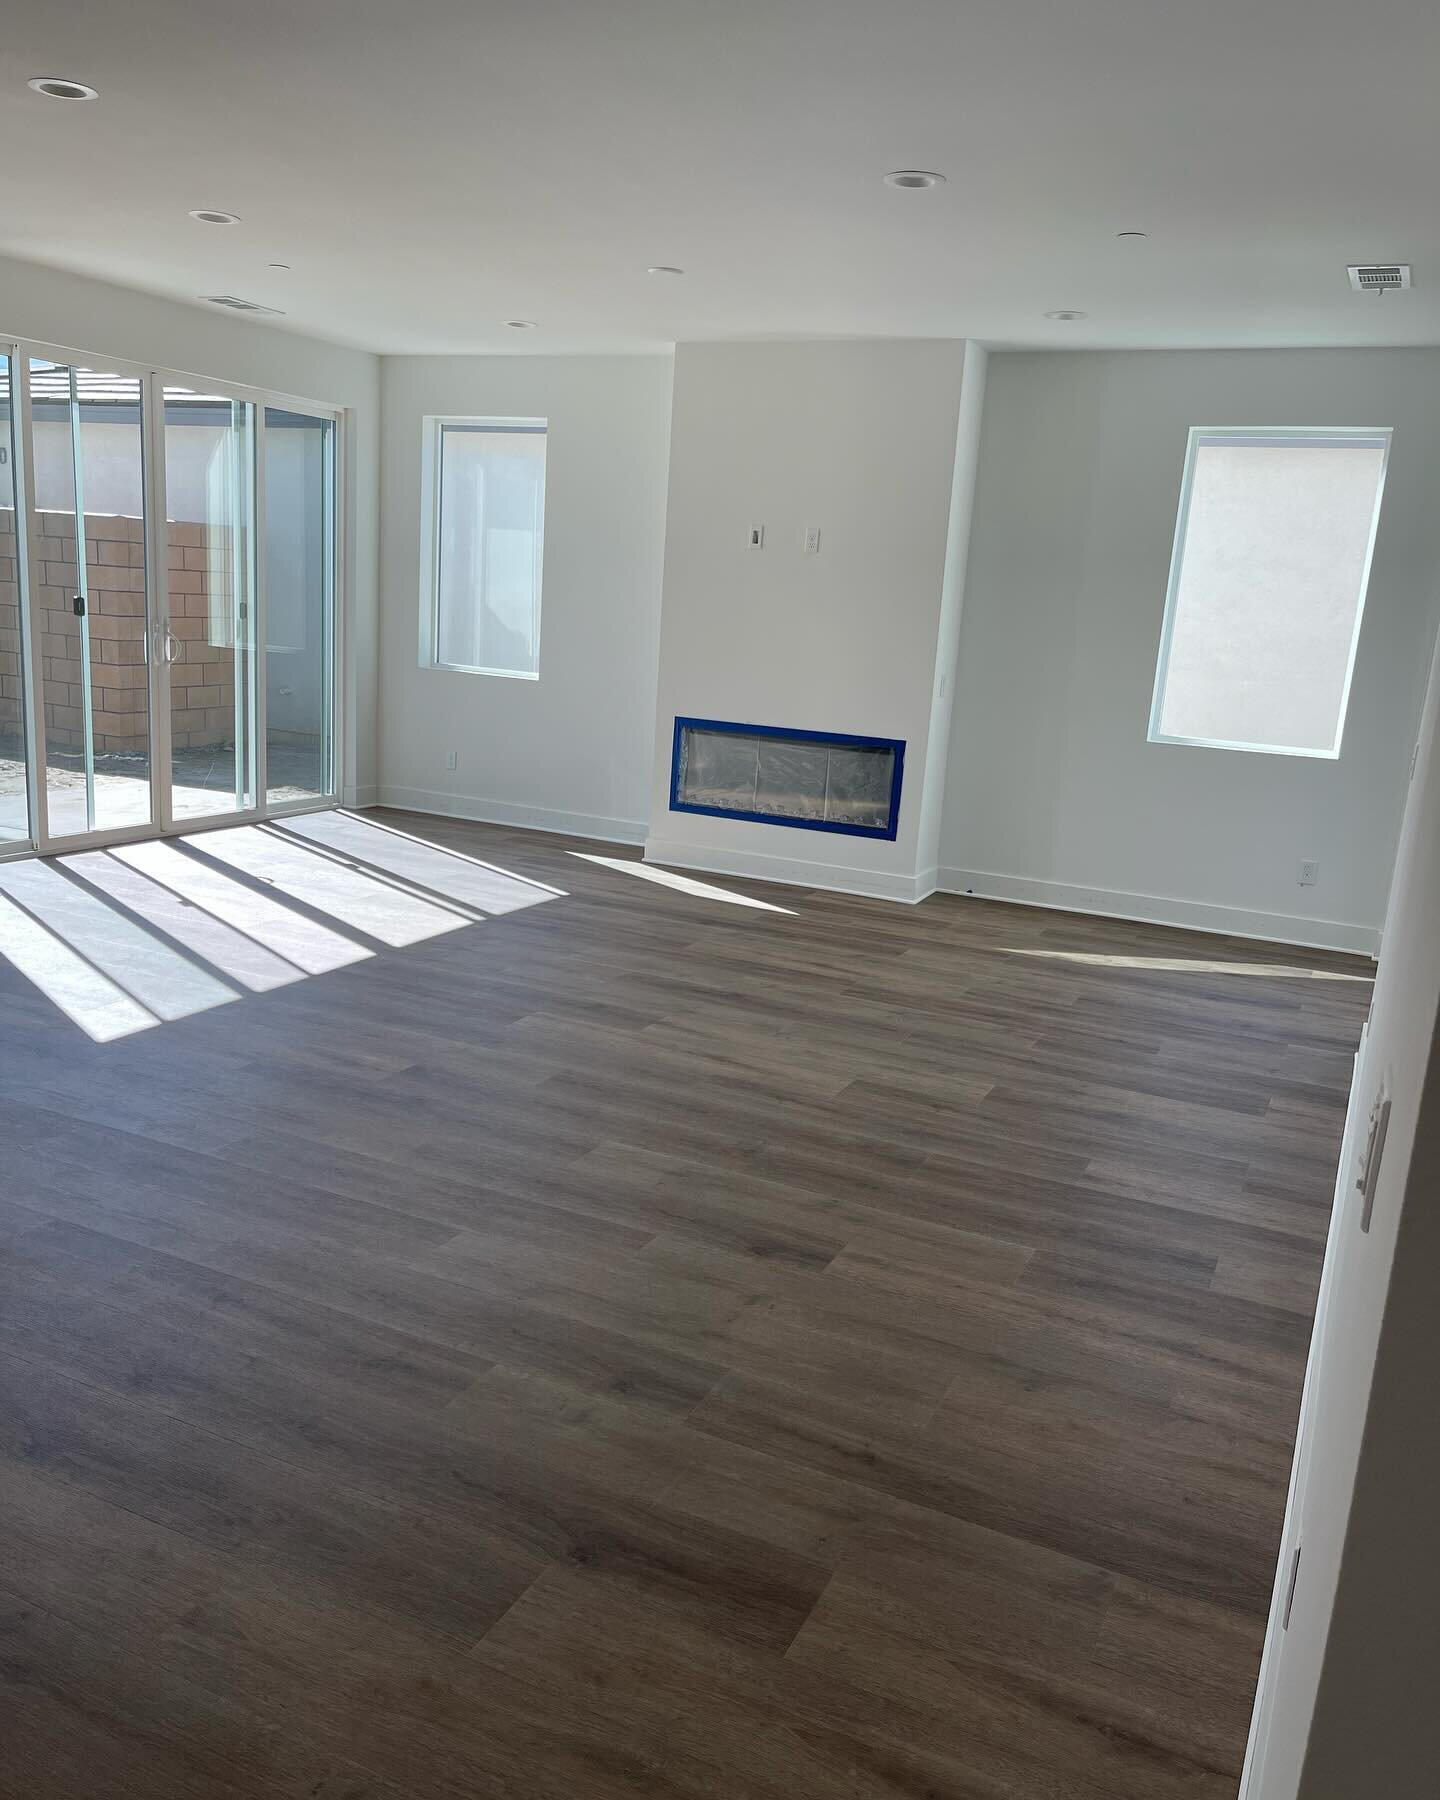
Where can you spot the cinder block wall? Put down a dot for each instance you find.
(202, 679)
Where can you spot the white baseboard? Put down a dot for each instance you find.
(1110, 903)
(368, 795)
(790, 871)
(502, 812)
(1154, 909)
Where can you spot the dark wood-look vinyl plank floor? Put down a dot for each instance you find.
(637, 1345)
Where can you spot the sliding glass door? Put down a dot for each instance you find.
(88, 596)
(168, 578)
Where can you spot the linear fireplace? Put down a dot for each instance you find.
(816, 780)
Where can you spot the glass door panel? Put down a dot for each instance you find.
(299, 605)
(210, 644)
(89, 599)
(14, 789)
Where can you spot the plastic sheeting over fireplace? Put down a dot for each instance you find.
(817, 780)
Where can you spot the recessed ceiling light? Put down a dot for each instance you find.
(1066, 312)
(664, 269)
(207, 216)
(57, 89)
(521, 324)
(913, 178)
(1132, 234)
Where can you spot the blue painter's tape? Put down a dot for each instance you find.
(738, 728)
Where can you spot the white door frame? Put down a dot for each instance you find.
(1288, 1562)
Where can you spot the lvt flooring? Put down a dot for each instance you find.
(640, 1346)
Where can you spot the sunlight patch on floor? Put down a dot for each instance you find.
(1189, 965)
(166, 984)
(378, 908)
(464, 879)
(310, 946)
(102, 1010)
(136, 935)
(232, 952)
(682, 884)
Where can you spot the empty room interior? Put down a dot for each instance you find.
(719, 900)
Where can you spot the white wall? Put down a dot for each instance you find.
(859, 440)
(51, 307)
(1054, 794)
(1347, 1697)
(571, 751)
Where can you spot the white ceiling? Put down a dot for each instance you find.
(432, 168)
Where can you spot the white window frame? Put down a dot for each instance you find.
(1297, 435)
(432, 437)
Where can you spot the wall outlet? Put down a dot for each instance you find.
(757, 537)
(450, 759)
(1309, 874)
(812, 540)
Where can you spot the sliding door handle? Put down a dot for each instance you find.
(174, 649)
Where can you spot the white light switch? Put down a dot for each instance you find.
(757, 537)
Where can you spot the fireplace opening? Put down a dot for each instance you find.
(817, 780)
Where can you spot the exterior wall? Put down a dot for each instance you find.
(1055, 794)
(202, 680)
(572, 750)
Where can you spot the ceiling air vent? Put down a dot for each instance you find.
(1378, 278)
(236, 304)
